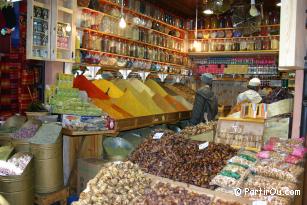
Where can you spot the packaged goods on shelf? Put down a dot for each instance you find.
(175, 157)
(86, 123)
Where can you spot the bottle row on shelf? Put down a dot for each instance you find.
(134, 32)
(242, 44)
(263, 60)
(128, 49)
(239, 69)
(111, 62)
(144, 8)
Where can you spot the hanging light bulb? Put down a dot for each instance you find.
(279, 4)
(253, 10)
(207, 10)
(122, 22)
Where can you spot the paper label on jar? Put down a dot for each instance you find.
(203, 146)
(158, 135)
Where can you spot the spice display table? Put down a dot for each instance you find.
(82, 135)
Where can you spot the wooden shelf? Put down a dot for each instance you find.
(124, 56)
(130, 40)
(234, 38)
(40, 19)
(150, 29)
(64, 49)
(117, 68)
(142, 15)
(73, 133)
(235, 53)
(223, 29)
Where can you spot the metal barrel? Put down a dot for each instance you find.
(48, 166)
(19, 189)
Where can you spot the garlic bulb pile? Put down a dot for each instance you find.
(116, 183)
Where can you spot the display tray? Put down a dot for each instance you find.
(145, 121)
(213, 194)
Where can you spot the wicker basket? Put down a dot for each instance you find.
(83, 3)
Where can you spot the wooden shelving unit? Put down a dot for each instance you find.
(143, 27)
(130, 40)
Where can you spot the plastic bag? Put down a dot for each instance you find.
(285, 146)
(278, 170)
(256, 182)
(271, 155)
(243, 161)
(293, 159)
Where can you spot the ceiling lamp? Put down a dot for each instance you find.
(207, 10)
(279, 4)
(122, 22)
(253, 10)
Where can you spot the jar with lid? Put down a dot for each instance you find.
(141, 52)
(205, 46)
(214, 22)
(120, 45)
(266, 44)
(113, 46)
(141, 35)
(105, 44)
(212, 45)
(136, 34)
(220, 45)
(150, 53)
(228, 45)
(105, 25)
(243, 44)
(146, 54)
(258, 44)
(132, 50)
(162, 56)
(85, 39)
(250, 44)
(236, 45)
(275, 43)
(97, 43)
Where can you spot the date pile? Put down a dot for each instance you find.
(180, 159)
(198, 129)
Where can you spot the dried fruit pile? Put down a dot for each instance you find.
(198, 129)
(180, 159)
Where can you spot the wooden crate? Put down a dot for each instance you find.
(49, 199)
(185, 115)
(243, 127)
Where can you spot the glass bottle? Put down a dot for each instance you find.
(243, 44)
(205, 46)
(250, 44)
(212, 45)
(228, 45)
(112, 45)
(136, 34)
(214, 22)
(266, 44)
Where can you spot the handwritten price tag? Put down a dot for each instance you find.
(203, 146)
(158, 135)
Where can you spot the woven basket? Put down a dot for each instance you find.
(83, 3)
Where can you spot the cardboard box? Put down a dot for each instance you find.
(87, 170)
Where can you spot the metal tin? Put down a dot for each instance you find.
(48, 166)
(18, 189)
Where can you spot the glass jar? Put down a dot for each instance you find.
(137, 5)
(243, 44)
(275, 43)
(135, 33)
(228, 45)
(85, 40)
(141, 35)
(97, 43)
(258, 44)
(266, 44)
(141, 52)
(214, 22)
(250, 44)
(212, 46)
(236, 45)
(113, 45)
(205, 46)
(105, 45)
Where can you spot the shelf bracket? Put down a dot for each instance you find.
(143, 74)
(162, 76)
(125, 73)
